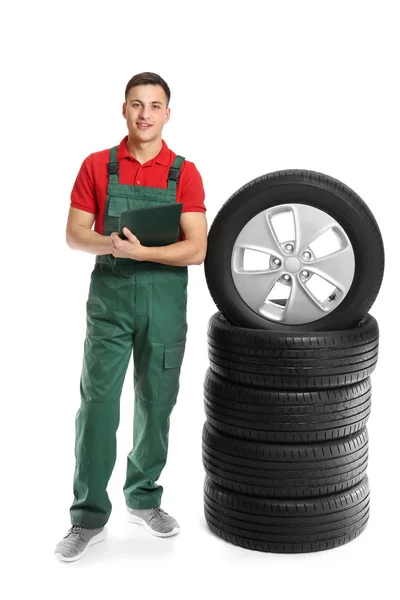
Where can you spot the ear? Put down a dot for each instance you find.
(167, 115)
(124, 110)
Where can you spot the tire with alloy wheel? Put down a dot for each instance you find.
(292, 358)
(286, 525)
(296, 250)
(263, 415)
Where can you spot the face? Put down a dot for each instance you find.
(146, 112)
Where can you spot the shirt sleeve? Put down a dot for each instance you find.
(83, 195)
(192, 191)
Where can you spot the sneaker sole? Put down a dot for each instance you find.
(99, 537)
(139, 521)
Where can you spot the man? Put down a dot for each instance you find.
(137, 300)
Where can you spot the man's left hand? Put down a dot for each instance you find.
(130, 248)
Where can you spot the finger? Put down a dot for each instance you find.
(131, 236)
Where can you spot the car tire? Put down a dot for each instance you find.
(263, 415)
(286, 525)
(319, 205)
(284, 471)
(289, 359)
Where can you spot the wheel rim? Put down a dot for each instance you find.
(311, 255)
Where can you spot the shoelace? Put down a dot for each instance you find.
(75, 530)
(159, 512)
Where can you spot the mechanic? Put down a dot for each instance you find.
(137, 301)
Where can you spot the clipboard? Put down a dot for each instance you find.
(154, 226)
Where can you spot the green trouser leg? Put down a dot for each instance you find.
(149, 455)
(96, 424)
(159, 344)
(107, 350)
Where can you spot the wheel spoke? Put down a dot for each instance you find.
(258, 234)
(254, 286)
(301, 306)
(336, 268)
(309, 224)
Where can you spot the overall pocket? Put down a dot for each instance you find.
(171, 369)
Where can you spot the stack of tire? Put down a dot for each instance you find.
(288, 393)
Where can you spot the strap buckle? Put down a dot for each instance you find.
(113, 168)
(173, 174)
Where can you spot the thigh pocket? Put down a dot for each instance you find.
(171, 368)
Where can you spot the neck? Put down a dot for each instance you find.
(143, 151)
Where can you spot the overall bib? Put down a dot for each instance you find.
(137, 306)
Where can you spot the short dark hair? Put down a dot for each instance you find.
(148, 79)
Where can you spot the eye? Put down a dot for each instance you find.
(156, 106)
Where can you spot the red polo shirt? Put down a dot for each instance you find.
(90, 187)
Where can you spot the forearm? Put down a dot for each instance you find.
(82, 238)
(178, 254)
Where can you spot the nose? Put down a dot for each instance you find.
(145, 113)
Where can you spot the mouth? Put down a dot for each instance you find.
(143, 125)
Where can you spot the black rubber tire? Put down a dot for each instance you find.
(284, 471)
(301, 187)
(263, 415)
(276, 359)
(286, 526)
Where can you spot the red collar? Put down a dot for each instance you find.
(162, 158)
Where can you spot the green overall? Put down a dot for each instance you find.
(139, 306)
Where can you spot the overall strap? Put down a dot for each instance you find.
(174, 172)
(113, 166)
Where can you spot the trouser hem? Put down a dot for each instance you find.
(142, 506)
(91, 526)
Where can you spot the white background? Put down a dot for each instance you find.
(256, 87)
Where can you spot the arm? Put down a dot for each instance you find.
(192, 250)
(79, 234)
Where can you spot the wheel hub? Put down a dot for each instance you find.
(292, 264)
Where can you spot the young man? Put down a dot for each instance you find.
(135, 302)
